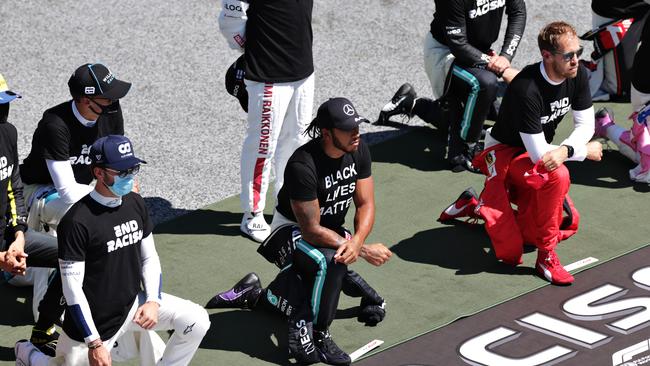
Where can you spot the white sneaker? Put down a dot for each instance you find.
(255, 226)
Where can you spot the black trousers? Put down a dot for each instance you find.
(464, 108)
(42, 251)
(310, 288)
(474, 91)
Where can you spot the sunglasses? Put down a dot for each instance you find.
(568, 56)
(124, 173)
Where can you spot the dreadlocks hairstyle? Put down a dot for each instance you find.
(313, 130)
(549, 37)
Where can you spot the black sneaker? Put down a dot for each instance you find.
(463, 161)
(402, 103)
(45, 340)
(371, 313)
(243, 295)
(328, 351)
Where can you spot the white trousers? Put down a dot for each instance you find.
(189, 321)
(43, 209)
(278, 114)
(437, 63)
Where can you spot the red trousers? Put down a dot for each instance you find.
(539, 197)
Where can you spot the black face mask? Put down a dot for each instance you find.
(106, 110)
(4, 112)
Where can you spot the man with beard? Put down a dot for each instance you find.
(111, 272)
(322, 179)
(521, 164)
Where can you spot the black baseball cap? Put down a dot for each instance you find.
(96, 80)
(115, 152)
(235, 82)
(338, 113)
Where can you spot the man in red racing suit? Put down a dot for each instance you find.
(523, 167)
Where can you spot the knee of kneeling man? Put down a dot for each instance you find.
(488, 81)
(337, 268)
(194, 322)
(560, 175)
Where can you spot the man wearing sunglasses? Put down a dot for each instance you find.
(106, 257)
(57, 170)
(523, 166)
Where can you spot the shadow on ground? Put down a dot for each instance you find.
(205, 221)
(257, 334)
(611, 172)
(461, 247)
(424, 150)
(161, 210)
(16, 305)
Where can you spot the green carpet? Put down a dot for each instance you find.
(438, 273)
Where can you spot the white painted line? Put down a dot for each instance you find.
(581, 263)
(365, 349)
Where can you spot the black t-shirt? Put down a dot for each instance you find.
(60, 136)
(311, 174)
(12, 207)
(469, 27)
(108, 241)
(640, 74)
(618, 9)
(533, 105)
(279, 40)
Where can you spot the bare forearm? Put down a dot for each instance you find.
(321, 236)
(364, 219)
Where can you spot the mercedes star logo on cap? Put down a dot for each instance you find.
(348, 109)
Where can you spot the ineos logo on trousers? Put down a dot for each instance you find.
(124, 148)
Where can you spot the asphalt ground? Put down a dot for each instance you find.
(178, 114)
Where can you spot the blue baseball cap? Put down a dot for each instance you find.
(115, 152)
(6, 95)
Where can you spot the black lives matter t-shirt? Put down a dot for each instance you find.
(108, 241)
(311, 174)
(60, 136)
(533, 105)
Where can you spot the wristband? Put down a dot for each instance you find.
(569, 149)
(95, 344)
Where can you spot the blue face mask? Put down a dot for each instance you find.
(122, 186)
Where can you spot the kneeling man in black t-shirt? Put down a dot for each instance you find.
(525, 168)
(106, 257)
(321, 181)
